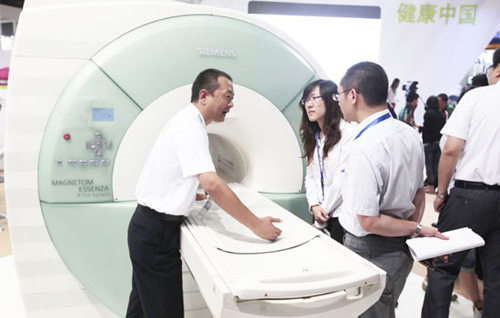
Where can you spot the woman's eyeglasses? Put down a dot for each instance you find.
(314, 99)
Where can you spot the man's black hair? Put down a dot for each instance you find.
(370, 80)
(207, 79)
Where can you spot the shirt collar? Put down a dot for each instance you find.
(197, 111)
(370, 118)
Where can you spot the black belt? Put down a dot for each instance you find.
(376, 236)
(475, 185)
(158, 215)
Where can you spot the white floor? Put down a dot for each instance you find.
(10, 294)
(412, 298)
(410, 301)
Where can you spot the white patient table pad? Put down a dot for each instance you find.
(303, 262)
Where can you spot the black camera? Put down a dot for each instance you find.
(411, 87)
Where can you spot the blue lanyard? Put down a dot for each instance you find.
(373, 123)
(321, 167)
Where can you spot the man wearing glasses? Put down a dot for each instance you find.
(384, 198)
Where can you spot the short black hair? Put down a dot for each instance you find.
(411, 97)
(209, 80)
(432, 103)
(479, 80)
(370, 80)
(443, 97)
(496, 57)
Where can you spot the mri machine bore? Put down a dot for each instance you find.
(91, 85)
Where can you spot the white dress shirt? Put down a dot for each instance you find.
(476, 119)
(168, 181)
(331, 166)
(384, 170)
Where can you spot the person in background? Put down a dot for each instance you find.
(382, 188)
(178, 162)
(325, 138)
(493, 72)
(443, 105)
(433, 122)
(407, 113)
(470, 156)
(391, 97)
(477, 80)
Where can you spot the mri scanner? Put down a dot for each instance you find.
(91, 85)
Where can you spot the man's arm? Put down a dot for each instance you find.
(220, 192)
(385, 225)
(419, 203)
(447, 164)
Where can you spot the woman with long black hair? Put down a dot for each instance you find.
(325, 138)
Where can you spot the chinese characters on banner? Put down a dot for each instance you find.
(429, 13)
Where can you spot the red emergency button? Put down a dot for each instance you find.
(66, 136)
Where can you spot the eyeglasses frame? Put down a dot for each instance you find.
(336, 96)
(304, 101)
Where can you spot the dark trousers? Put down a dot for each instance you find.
(336, 230)
(480, 211)
(391, 110)
(154, 247)
(432, 155)
(390, 254)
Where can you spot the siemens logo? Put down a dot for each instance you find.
(205, 51)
